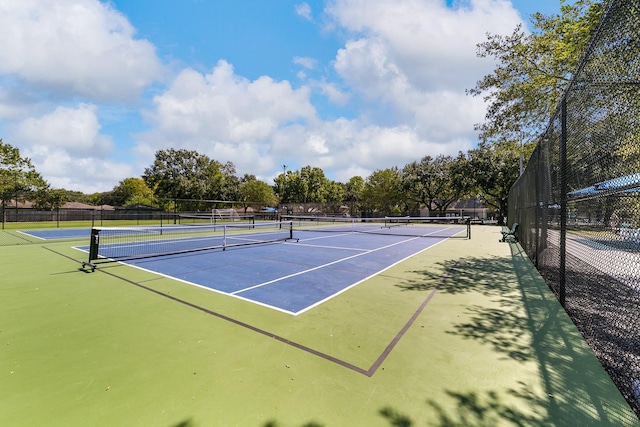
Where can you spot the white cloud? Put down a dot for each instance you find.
(317, 144)
(67, 148)
(367, 66)
(411, 60)
(343, 146)
(59, 60)
(432, 44)
(86, 174)
(303, 9)
(81, 47)
(224, 106)
(306, 62)
(73, 129)
(16, 104)
(259, 124)
(225, 116)
(334, 94)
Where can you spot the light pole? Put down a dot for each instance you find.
(282, 184)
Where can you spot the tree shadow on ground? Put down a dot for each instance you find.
(522, 321)
(501, 324)
(484, 409)
(185, 423)
(477, 410)
(309, 424)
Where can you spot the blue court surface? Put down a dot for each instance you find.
(58, 233)
(291, 276)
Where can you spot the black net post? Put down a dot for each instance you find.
(468, 223)
(94, 244)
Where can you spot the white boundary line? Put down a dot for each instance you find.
(32, 235)
(299, 273)
(365, 279)
(337, 262)
(317, 303)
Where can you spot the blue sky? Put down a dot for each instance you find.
(90, 90)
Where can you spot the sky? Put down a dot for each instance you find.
(90, 90)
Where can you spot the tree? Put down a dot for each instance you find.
(435, 183)
(309, 185)
(315, 182)
(18, 177)
(229, 185)
(46, 199)
(353, 193)
(290, 187)
(258, 192)
(131, 191)
(383, 192)
(332, 194)
(186, 175)
(494, 169)
(533, 70)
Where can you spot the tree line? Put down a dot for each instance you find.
(179, 178)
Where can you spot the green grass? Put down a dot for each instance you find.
(122, 346)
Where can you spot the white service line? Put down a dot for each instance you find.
(323, 266)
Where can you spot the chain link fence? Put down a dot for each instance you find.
(17, 218)
(578, 201)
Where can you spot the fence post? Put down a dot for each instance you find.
(538, 200)
(563, 201)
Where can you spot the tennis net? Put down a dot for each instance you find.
(126, 243)
(211, 219)
(459, 227)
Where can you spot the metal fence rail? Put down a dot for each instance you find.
(578, 201)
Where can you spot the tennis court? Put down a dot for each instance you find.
(328, 329)
(300, 272)
(57, 233)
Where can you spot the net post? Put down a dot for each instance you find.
(224, 237)
(94, 244)
(468, 221)
(93, 249)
